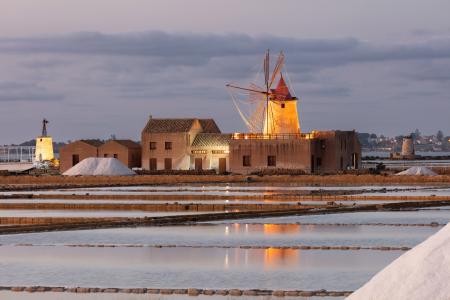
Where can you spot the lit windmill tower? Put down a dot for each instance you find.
(44, 145)
(270, 111)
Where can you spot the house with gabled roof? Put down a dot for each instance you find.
(183, 144)
(127, 151)
(73, 153)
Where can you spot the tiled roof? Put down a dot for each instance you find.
(168, 125)
(95, 143)
(281, 92)
(179, 125)
(209, 125)
(128, 143)
(211, 140)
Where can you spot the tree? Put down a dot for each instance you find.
(440, 136)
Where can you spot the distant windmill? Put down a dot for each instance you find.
(267, 110)
(44, 145)
(44, 127)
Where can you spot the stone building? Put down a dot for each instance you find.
(127, 151)
(198, 144)
(211, 151)
(73, 153)
(316, 153)
(182, 144)
(408, 149)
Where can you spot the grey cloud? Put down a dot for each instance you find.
(327, 91)
(19, 91)
(197, 49)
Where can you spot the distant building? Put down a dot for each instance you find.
(44, 145)
(195, 144)
(408, 149)
(73, 153)
(127, 151)
(179, 144)
(315, 153)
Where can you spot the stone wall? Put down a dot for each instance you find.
(289, 154)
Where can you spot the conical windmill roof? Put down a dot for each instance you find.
(282, 91)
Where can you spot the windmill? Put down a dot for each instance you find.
(267, 110)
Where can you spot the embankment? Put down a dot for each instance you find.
(35, 182)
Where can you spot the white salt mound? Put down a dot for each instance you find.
(418, 171)
(95, 166)
(421, 273)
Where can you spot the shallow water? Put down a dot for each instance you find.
(234, 235)
(189, 267)
(419, 192)
(386, 217)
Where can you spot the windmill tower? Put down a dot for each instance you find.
(44, 145)
(270, 111)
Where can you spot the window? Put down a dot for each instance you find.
(152, 145)
(246, 162)
(167, 164)
(115, 155)
(168, 146)
(271, 161)
(199, 151)
(282, 105)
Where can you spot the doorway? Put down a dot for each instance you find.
(222, 165)
(167, 164)
(153, 164)
(75, 159)
(198, 164)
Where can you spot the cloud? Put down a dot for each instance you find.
(109, 79)
(20, 91)
(196, 49)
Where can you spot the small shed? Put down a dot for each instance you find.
(72, 153)
(126, 151)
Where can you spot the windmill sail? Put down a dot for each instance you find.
(270, 111)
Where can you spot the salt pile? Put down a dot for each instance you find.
(421, 273)
(418, 171)
(99, 167)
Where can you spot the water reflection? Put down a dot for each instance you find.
(275, 257)
(276, 228)
(189, 267)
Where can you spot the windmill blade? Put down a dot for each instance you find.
(278, 66)
(257, 116)
(266, 68)
(241, 113)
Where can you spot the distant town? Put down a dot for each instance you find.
(438, 142)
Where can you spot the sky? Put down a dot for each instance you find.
(95, 68)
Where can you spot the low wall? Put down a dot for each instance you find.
(85, 181)
(150, 207)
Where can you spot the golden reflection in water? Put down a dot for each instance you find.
(226, 263)
(274, 257)
(281, 228)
